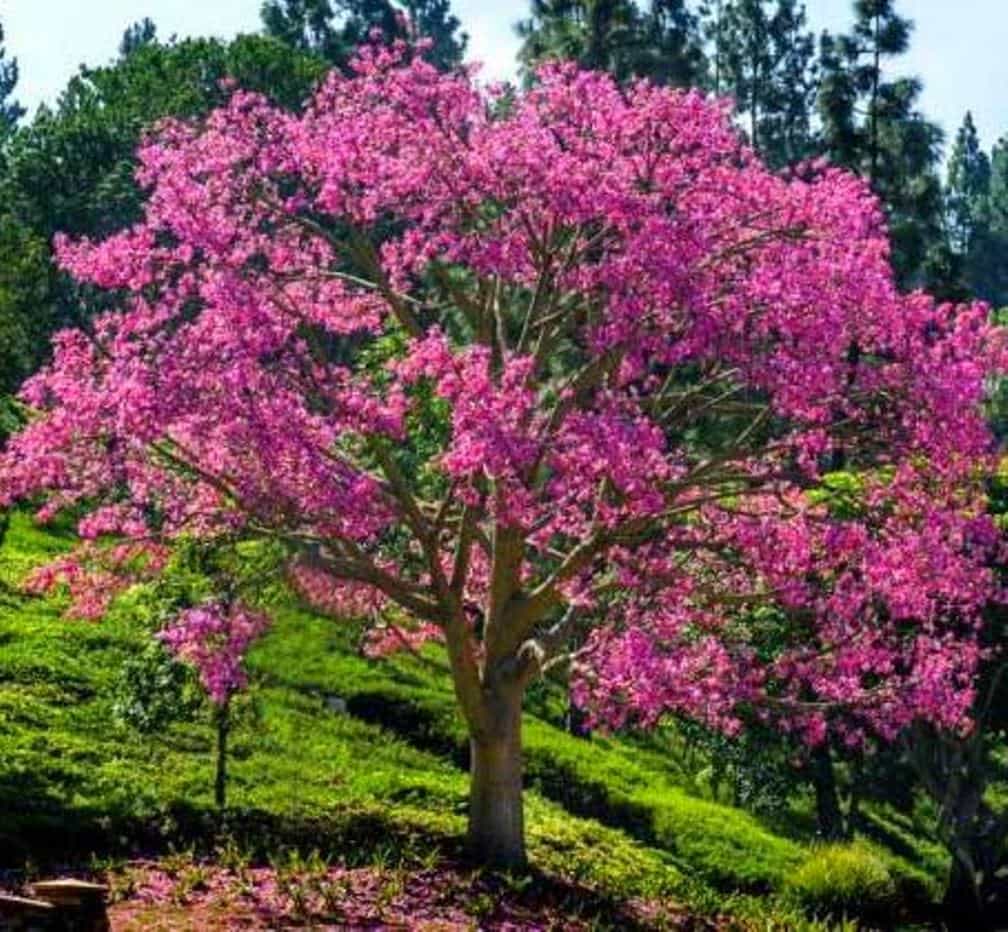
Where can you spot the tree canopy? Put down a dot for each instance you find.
(583, 360)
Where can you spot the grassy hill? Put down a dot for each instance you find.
(612, 823)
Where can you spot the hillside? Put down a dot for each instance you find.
(619, 835)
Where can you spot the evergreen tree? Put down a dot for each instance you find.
(787, 134)
(332, 29)
(72, 169)
(968, 189)
(765, 57)
(600, 34)
(998, 199)
(987, 263)
(672, 51)
(871, 125)
(10, 110)
(141, 33)
(661, 42)
(306, 25)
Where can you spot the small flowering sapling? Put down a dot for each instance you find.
(643, 348)
(214, 638)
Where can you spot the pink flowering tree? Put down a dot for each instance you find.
(214, 637)
(527, 369)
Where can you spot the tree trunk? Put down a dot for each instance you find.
(220, 781)
(963, 903)
(577, 720)
(975, 843)
(496, 814)
(828, 813)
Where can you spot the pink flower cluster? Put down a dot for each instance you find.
(93, 574)
(650, 348)
(214, 638)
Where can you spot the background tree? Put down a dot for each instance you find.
(871, 125)
(598, 34)
(661, 42)
(73, 168)
(26, 282)
(141, 33)
(672, 48)
(332, 29)
(972, 245)
(765, 60)
(987, 274)
(10, 110)
(968, 189)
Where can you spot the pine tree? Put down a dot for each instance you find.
(10, 110)
(987, 269)
(968, 189)
(872, 125)
(764, 57)
(306, 25)
(334, 28)
(661, 42)
(787, 133)
(671, 47)
(141, 33)
(603, 35)
(998, 197)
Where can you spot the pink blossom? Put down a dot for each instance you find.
(214, 638)
(647, 349)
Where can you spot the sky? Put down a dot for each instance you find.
(958, 46)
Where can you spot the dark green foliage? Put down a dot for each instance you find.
(26, 283)
(975, 217)
(333, 29)
(753, 770)
(968, 189)
(10, 110)
(153, 691)
(764, 56)
(71, 170)
(871, 125)
(597, 34)
(661, 41)
(141, 33)
(978, 195)
(671, 49)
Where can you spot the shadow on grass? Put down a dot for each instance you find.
(51, 836)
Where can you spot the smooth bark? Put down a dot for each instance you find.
(496, 813)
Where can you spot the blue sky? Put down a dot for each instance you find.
(958, 45)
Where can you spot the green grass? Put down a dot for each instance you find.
(614, 815)
(617, 783)
(841, 880)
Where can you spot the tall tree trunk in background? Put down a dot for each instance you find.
(829, 816)
(975, 840)
(962, 904)
(873, 109)
(854, 801)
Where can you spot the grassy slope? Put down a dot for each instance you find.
(386, 775)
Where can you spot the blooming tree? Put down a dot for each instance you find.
(213, 638)
(529, 368)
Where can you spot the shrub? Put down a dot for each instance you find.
(843, 880)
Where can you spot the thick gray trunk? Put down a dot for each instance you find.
(496, 814)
